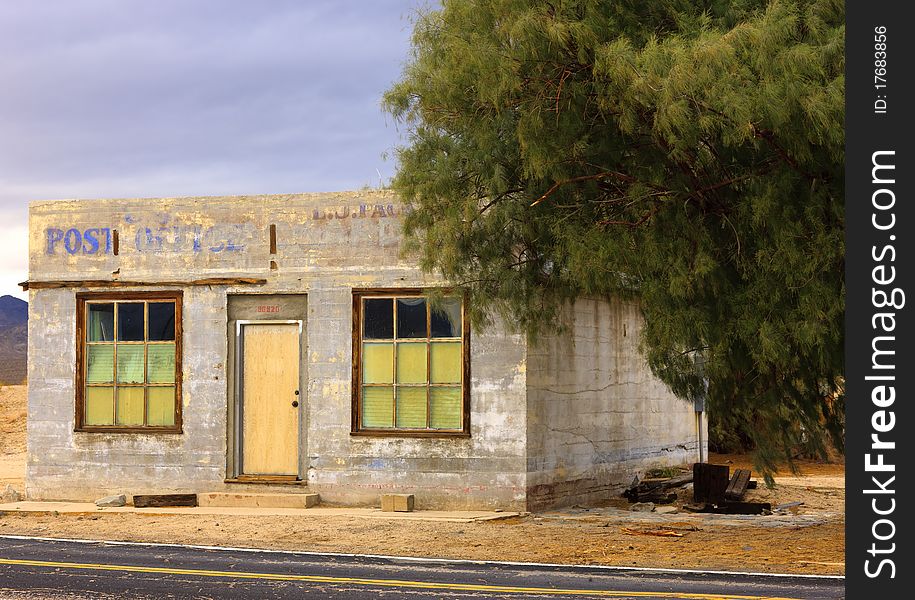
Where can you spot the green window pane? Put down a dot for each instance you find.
(100, 363)
(446, 362)
(445, 408)
(160, 363)
(99, 406)
(377, 407)
(101, 322)
(160, 409)
(446, 318)
(130, 364)
(130, 406)
(411, 407)
(377, 363)
(411, 363)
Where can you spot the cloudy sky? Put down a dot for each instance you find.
(133, 98)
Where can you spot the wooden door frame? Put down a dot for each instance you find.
(238, 434)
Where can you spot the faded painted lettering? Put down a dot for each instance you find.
(162, 238)
(148, 240)
(361, 211)
(90, 241)
(54, 235)
(75, 241)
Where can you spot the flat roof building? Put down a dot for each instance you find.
(283, 343)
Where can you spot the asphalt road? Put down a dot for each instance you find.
(38, 569)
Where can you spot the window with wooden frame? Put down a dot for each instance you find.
(411, 364)
(128, 362)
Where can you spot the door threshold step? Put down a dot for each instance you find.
(268, 479)
(243, 500)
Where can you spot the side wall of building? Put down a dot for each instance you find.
(596, 414)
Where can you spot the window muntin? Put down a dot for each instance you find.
(129, 357)
(411, 364)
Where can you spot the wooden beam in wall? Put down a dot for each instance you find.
(115, 283)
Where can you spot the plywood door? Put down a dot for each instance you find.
(270, 371)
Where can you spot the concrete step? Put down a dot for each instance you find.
(244, 500)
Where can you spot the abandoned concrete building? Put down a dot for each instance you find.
(282, 344)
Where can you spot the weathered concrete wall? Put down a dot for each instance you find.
(596, 414)
(485, 470)
(327, 244)
(64, 464)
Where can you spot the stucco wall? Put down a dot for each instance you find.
(327, 244)
(596, 414)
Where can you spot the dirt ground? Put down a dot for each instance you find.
(805, 539)
(12, 435)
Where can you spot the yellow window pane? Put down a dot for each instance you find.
(446, 362)
(160, 409)
(100, 363)
(160, 359)
(130, 406)
(411, 363)
(377, 407)
(411, 407)
(99, 406)
(445, 408)
(130, 364)
(377, 363)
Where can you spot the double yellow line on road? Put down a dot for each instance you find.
(401, 583)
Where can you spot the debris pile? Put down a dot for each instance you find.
(715, 490)
(656, 490)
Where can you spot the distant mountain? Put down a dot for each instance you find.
(14, 339)
(13, 311)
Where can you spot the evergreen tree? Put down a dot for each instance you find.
(685, 153)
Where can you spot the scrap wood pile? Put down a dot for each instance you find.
(714, 490)
(656, 489)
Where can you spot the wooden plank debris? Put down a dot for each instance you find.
(657, 532)
(714, 491)
(730, 508)
(738, 485)
(709, 482)
(656, 490)
(161, 500)
(741, 508)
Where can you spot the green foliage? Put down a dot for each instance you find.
(688, 154)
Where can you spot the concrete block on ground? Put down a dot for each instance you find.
(116, 500)
(10, 494)
(246, 500)
(397, 502)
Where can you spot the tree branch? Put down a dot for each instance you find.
(641, 221)
(605, 175)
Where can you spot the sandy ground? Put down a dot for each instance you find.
(12, 435)
(806, 539)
